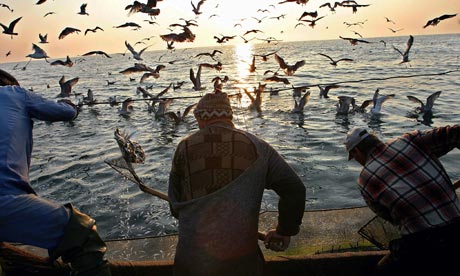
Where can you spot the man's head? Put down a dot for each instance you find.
(354, 137)
(7, 79)
(213, 107)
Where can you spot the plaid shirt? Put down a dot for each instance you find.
(404, 182)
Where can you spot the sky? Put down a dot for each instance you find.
(218, 18)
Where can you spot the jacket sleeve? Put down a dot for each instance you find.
(47, 110)
(175, 185)
(286, 183)
(440, 141)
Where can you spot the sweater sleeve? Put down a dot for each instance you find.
(47, 110)
(286, 183)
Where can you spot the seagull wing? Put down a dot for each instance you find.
(249, 95)
(188, 109)
(410, 41)
(13, 23)
(299, 64)
(324, 55)
(129, 47)
(172, 115)
(430, 100)
(280, 61)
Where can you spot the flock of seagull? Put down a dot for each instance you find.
(155, 104)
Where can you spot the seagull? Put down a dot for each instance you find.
(89, 99)
(136, 55)
(38, 53)
(93, 30)
(256, 102)
(312, 22)
(138, 67)
(343, 106)
(49, 13)
(435, 21)
(148, 8)
(330, 6)
(264, 57)
(405, 55)
(67, 31)
(300, 104)
(362, 107)
(196, 9)
(311, 14)
(66, 86)
(252, 31)
(43, 38)
(152, 73)
(378, 101)
(177, 116)
(83, 9)
(196, 79)
(126, 107)
(395, 31)
(163, 105)
(10, 29)
(68, 62)
(334, 62)
(425, 107)
(275, 78)
(214, 52)
(354, 41)
(6, 6)
(355, 7)
(389, 20)
(252, 66)
(323, 91)
(129, 24)
(97, 53)
(288, 69)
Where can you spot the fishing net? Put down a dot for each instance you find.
(379, 232)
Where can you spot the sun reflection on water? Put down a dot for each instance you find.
(243, 57)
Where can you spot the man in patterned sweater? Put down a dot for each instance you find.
(404, 182)
(216, 184)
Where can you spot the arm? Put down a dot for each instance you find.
(175, 177)
(440, 141)
(291, 206)
(46, 110)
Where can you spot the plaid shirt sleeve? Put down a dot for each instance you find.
(440, 141)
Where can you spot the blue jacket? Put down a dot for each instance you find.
(17, 109)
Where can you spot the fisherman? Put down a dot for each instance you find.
(216, 184)
(24, 216)
(404, 182)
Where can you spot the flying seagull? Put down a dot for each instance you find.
(67, 31)
(96, 53)
(334, 62)
(435, 21)
(93, 30)
(83, 9)
(405, 55)
(425, 107)
(288, 69)
(136, 55)
(10, 29)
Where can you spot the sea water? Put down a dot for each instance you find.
(68, 158)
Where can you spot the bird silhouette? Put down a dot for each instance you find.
(428, 105)
(405, 55)
(288, 69)
(67, 31)
(93, 30)
(196, 9)
(312, 22)
(311, 14)
(102, 53)
(435, 21)
(43, 38)
(66, 86)
(299, 104)
(334, 62)
(344, 103)
(136, 55)
(83, 9)
(67, 63)
(9, 30)
(129, 24)
(354, 41)
(126, 107)
(38, 53)
(196, 79)
(152, 73)
(212, 54)
(378, 100)
(324, 90)
(179, 117)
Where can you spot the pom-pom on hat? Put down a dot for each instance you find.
(212, 106)
(354, 137)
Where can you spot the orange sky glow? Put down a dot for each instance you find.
(229, 17)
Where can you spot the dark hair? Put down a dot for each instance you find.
(7, 79)
(368, 144)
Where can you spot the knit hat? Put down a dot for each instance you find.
(213, 105)
(354, 137)
(7, 79)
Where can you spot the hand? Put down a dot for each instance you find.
(276, 242)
